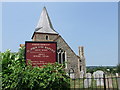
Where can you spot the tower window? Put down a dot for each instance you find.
(47, 38)
(80, 68)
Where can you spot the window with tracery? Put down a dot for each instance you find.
(61, 56)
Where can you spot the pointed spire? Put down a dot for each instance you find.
(44, 25)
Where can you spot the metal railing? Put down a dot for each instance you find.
(107, 82)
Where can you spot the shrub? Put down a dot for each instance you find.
(17, 75)
(118, 68)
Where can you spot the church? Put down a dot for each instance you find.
(44, 31)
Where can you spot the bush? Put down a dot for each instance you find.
(118, 68)
(17, 75)
(106, 69)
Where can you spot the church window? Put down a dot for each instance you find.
(61, 56)
(80, 68)
(47, 38)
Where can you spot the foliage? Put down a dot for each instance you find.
(17, 75)
(118, 68)
(91, 70)
(106, 69)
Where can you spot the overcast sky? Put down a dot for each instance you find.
(89, 24)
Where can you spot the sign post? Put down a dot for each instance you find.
(40, 53)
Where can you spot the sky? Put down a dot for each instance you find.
(118, 32)
(93, 25)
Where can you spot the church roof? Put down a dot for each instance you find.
(44, 24)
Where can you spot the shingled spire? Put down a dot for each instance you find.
(44, 25)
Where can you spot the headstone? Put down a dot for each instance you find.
(72, 75)
(116, 74)
(87, 81)
(118, 79)
(81, 74)
(109, 83)
(119, 83)
(98, 76)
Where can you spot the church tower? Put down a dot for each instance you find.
(45, 32)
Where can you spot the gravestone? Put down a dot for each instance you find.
(87, 81)
(72, 73)
(81, 74)
(98, 76)
(108, 82)
(116, 74)
(118, 81)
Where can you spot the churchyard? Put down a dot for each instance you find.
(16, 75)
(97, 80)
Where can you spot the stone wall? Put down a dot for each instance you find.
(73, 61)
(42, 37)
(83, 64)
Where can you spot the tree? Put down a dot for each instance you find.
(118, 68)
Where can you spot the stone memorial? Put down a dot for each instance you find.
(116, 74)
(72, 76)
(87, 81)
(98, 76)
(71, 73)
(81, 74)
(108, 82)
(86, 85)
(118, 81)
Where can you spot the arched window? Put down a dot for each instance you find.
(80, 60)
(47, 38)
(61, 56)
(80, 68)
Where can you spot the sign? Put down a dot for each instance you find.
(40, 53)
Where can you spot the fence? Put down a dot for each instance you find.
(107, 82)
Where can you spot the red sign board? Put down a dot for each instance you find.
(40, 53)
